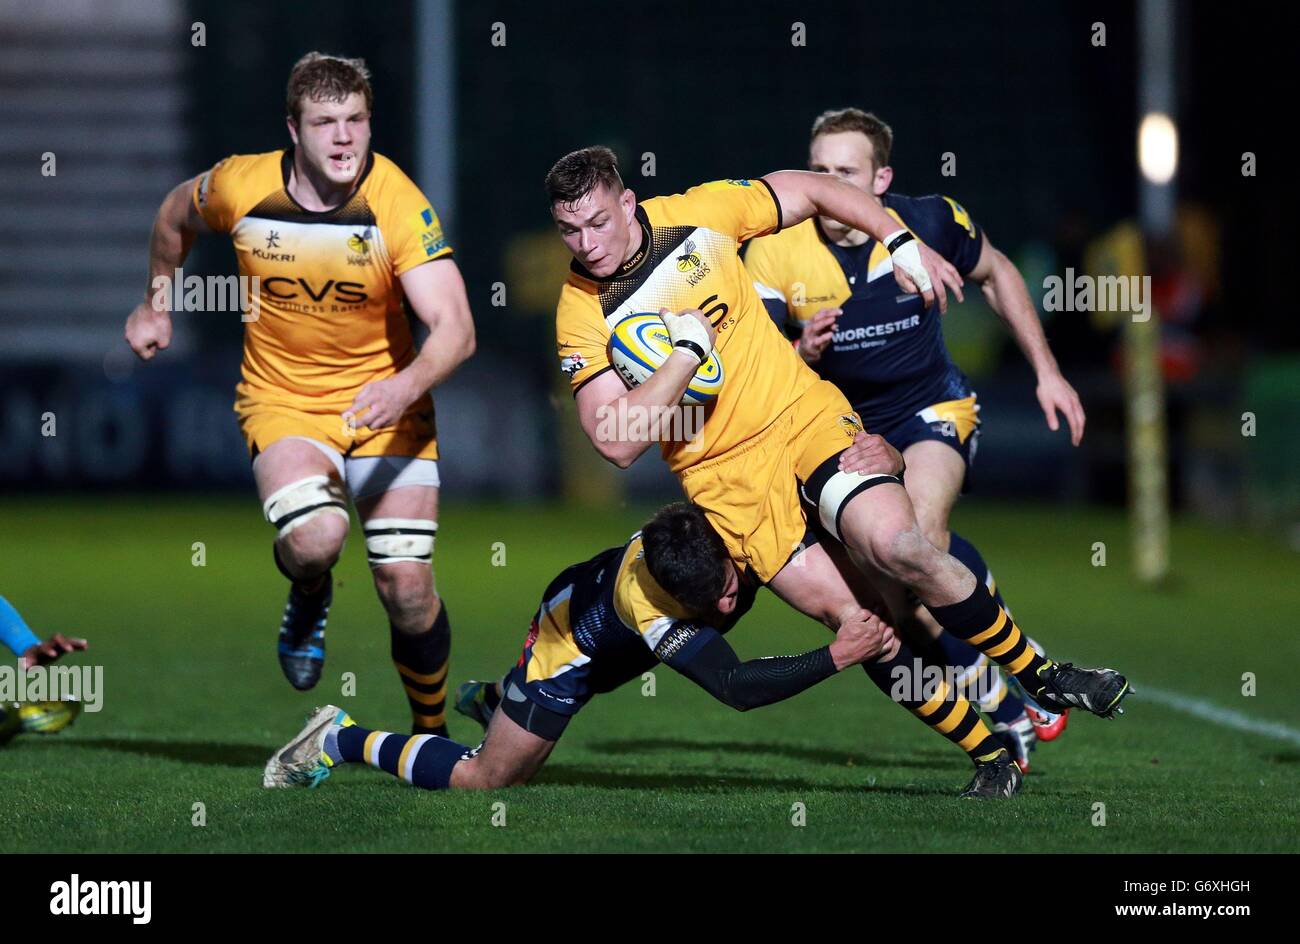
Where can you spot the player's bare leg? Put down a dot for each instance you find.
(313, 543)
(934, 477)
(935, 473)
(510, 756)
(826, 587)
(880, 527)
(400, 525)
(821, 582)
(933, 482)
(405, 587)
(877, 524)
(304, 499)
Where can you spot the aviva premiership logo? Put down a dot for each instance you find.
(851, 425)
(573, 363)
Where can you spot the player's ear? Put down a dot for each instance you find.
(880, 182)
(293, 128)
(730, 591)
(627, 200)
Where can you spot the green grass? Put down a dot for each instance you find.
(194, 702)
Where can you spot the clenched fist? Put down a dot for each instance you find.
(817, 334)
(148, 330)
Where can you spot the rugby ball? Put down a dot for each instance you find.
(639, 343)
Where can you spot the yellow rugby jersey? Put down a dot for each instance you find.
(640, 603)
(798, 269)
(688, 259)
(887, 352)
(330, 317)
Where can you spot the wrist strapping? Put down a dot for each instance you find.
(901, 238)
(686, 344)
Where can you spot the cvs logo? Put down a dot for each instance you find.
(345, 292)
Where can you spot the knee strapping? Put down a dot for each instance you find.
(301, 501)
(393, 540)
(831, 490)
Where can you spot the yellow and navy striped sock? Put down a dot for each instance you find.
(422, 662)
(424, 760)
(945, 711)
(980, 621)
(981, 682)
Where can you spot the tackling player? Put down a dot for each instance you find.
(668, 595)
(334, 396)
(37, 717)
(827, 284)
(776, 432)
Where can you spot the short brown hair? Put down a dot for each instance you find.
(579, 172)
(685, 556)
(323, 78)
(855, 119)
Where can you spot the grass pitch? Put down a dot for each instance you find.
(194, 701)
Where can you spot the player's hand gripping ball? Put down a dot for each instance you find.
(640, 343)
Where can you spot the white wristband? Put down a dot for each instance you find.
(908, 258)
(687, 328)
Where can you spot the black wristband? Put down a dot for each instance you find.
(902, 239)
(689, 345)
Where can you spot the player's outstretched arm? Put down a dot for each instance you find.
(1005, 290)
(917, 268)
(702, 655)
(607, 410)
(43, 653)
(436, 293)
(25, 644)
(149, 326)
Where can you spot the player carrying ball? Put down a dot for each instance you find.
(776, 432)
(334, 396)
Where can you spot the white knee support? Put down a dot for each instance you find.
(392, 540)
(839, 490)
(301, 501)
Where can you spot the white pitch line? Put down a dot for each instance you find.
(1208, 711)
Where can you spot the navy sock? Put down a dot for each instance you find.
(425, 760)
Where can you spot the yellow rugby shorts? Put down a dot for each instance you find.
(751, 494)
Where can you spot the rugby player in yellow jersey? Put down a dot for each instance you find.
(828, 286)
(334, 396)
(667, 595)
(776, 432)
